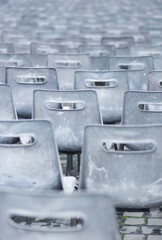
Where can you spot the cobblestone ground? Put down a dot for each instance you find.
(145, 224)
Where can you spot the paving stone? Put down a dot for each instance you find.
(133, 214)
(155, 221)
(134, 221)
(134, 237)
(128, 229)
(156, 213)
(146, 230)
(154, 237)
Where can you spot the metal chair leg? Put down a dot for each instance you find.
(68, 166)
(78, 163)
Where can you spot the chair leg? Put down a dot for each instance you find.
(69, 163)
(78, 163)
(121, 147)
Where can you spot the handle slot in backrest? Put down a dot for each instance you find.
(97, 53)
(45, 223)
(150, 53)
(94, 83)
(65, 105)
(117, 147)
(11, 63)
(68, 64)
(150, 107)
(160, 83)
(131, 66)
(31, 80)
(121, 44)
(46, 50)
(17, 141)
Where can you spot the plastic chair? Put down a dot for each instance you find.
(7, 109)
(137, 69)
(66, 65)
(142, 108)
(6, 48)
(149, 50)
(122, 44)
(54, 216)
(98, 55)
(110, 87)
(69, 112)
(24, 81)
(15, 60)
(29, 163)
(39, 51)
(131, 178)
(155, 81)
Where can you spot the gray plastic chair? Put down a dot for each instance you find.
(140, 38)
(142, 108)
(155, 81)
(15, 60)
(132, 178)
(6, 48)
(66, 65)
(2, 75)
(69, 112)
(33, 162)
(98, 55)
(122, 44)
(149, 50)
(39, 51)
(137, 69)
(54, 216)
(24, 81)
(110, 87)
(7, 109)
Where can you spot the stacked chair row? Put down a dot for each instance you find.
(78, 78)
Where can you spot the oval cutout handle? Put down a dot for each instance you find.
(37, 223)
(30, 80)
(118, 147)
(97, 53)
(150, 107)
(11, 63)
(150, 53)
(46, 50)
(65, 105)
(17, 141)
(103, 83)
(68, 64)
(130, 66)
(160, 83)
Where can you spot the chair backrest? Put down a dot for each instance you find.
(7, 109)
(137, 69)
(122, 44)
(24, 81)
(2, 75)
(15, 60)
(6, 48)
(142, 108)
(155, 81)
(98, 55)
(66, 65)
(69, 112)
(39, 51)
(32, 162)
(139, 37)
(131, 178)
(149, 50)
(110, 87)
(56, 216)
